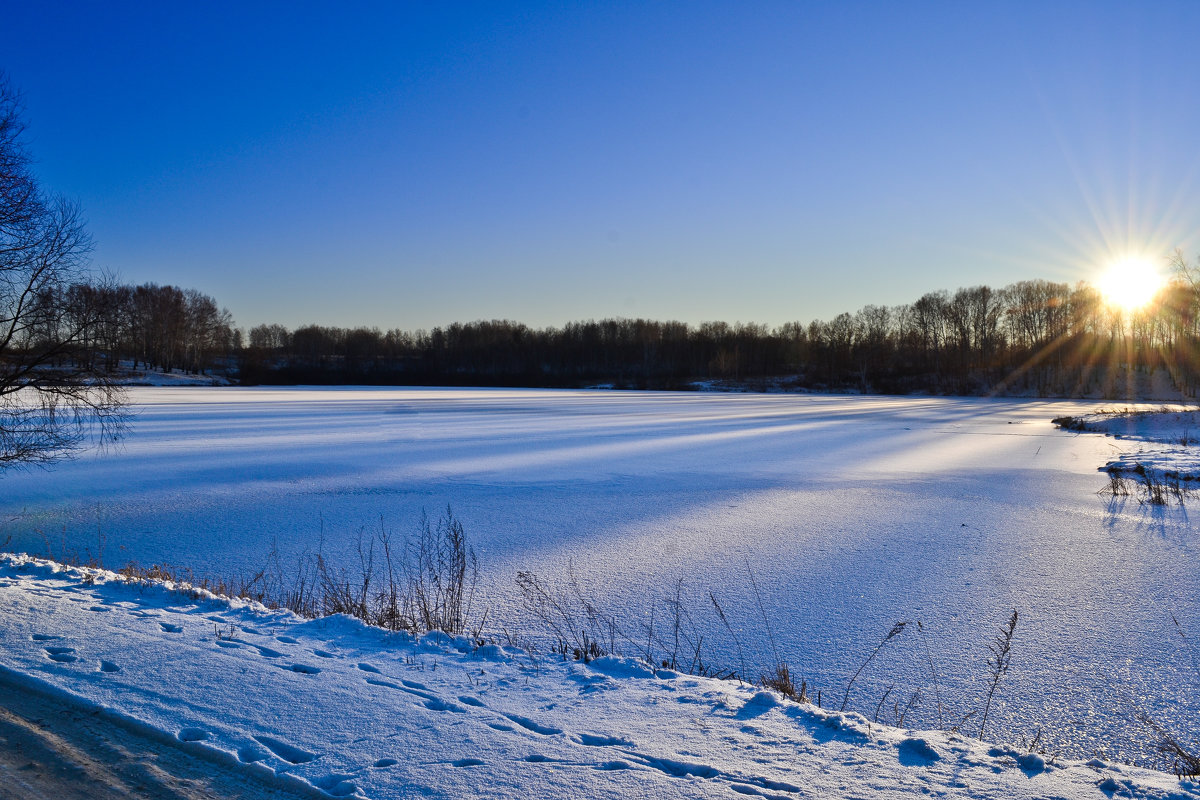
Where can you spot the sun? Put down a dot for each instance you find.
(1131, 283)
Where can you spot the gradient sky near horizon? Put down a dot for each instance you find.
(413, 164)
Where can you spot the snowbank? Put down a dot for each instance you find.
(343, 710)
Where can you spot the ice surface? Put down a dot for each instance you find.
(852, 513)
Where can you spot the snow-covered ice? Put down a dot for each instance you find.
(852, 513)
(333, 708)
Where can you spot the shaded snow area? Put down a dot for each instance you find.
(1165, 441)
(333, 708)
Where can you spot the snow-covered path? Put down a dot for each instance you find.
(334, 708)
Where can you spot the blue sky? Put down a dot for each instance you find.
(409, 165)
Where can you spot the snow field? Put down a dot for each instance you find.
(336, 709)
(850, 513)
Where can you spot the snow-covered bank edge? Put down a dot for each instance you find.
(335, 708)
(1161, 444)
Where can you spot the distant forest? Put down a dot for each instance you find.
(1031, 337)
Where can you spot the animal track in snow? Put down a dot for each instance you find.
(44, 637)
(385, 762)
(368, 668)
(169, 628)
(287, 640)
(108, 666)
(323, 654)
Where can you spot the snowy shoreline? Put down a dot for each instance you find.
(352, 711)
(1161, 441)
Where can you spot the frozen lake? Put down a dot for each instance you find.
(852, 513)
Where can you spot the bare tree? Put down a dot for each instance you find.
(52, 395)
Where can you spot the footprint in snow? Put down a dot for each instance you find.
(385, 762)
(767, 783)
(466, 699)
(266, 652)
(322, 654)
(63, 655)
(192, 735)
(337, 785)
(436, 704)
(742, 788)
(108, 666)
(250, 754)
(285, 751)
(287, 640)
(303, 669)
(100, 609)
(530, 725)
(169, 628)
(592, 740)
(916, 752)
(681, 769)
(467, 762)
(368, 668)
(44, 637)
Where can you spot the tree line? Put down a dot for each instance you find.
(1034, 336)
(149, 327)
(1029, 337)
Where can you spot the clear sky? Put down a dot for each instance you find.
(413, 164)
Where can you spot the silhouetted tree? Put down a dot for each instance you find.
(52, 395)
